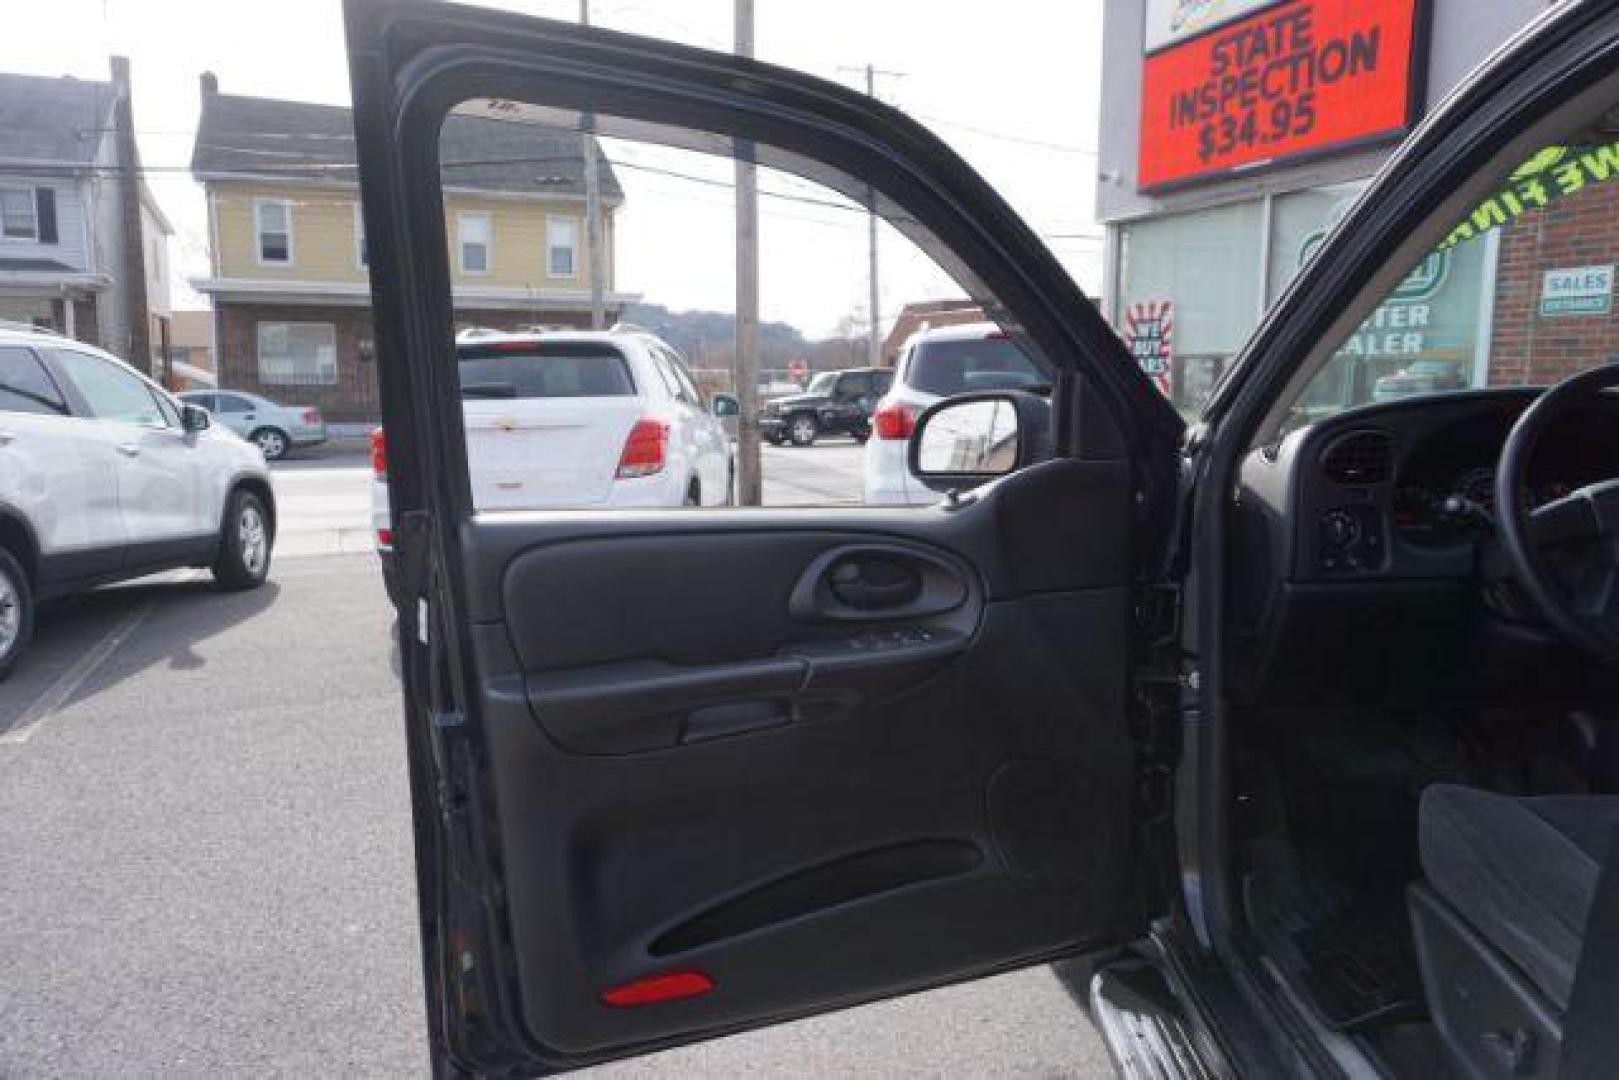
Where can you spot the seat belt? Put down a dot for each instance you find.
(1591, 1023)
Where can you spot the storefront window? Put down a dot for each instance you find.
(1196, 277)
(1299, 222)
(1521, 291)
(1430, 329)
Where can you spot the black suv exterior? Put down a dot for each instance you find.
(836, 403)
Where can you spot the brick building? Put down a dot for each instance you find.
(1531, 341)
(288, 275)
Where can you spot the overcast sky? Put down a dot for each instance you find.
(1012, 86)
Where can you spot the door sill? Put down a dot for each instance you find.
(1148, 1032)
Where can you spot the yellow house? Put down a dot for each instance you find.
(287, 273)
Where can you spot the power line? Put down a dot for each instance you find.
(1066, 148)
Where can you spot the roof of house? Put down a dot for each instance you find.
(53, 119)
(262, 137)
(33, 265)
(926, 314)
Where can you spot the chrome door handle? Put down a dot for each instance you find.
(129, 449)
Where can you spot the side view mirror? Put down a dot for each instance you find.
(968, 440)
(194, 418)
(725, 405)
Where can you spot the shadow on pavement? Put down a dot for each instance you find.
(180, 615)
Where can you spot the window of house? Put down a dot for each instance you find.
(297, 353)
(19, 216)
(561, 241)
(474, 240)
(273, 221)
(361, 259)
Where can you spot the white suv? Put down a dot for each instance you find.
(936, 364)
(104, 476)
(579, 418)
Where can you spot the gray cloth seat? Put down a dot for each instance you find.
(1521, 871)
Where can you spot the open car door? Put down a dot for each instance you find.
(677, 773)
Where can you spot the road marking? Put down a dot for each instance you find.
(52, 700)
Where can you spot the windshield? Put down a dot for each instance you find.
(544, 371)
(1520, 292)
(958, 367)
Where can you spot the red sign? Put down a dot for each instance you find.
(796, 370)
(1296, 78)
(1149, 331)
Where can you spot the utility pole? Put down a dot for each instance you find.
(593, 209)
(874, 343)
(749, 474)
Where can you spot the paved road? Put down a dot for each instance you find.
(205, 866)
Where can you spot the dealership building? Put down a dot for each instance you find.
(1235, 133)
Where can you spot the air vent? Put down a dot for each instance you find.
(1360, 457)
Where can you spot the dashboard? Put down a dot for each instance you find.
(1403, 490)
(1356, 547)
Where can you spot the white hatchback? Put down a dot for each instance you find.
(936, 364)
(577, 418)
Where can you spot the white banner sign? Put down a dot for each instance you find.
(1169, 21)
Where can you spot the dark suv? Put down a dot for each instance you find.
(836, 403)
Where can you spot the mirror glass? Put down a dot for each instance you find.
(978, 437)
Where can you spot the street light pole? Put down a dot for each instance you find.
(593, 210)
(749, 473)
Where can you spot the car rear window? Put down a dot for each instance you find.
(960, 367)
(540, 370)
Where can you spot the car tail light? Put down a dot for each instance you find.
(894, 421)
(644, 450)
(379, 455)
(385, 538)
(311, 416)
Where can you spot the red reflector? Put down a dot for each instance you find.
(670, 986)
(643, 450)
(311, 416)
(379, 455)
(385, 538)
(894, 421)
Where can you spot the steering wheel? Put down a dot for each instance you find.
(1565, 554)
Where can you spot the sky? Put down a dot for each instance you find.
(1013, 87)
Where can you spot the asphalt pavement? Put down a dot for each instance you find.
(206, 868)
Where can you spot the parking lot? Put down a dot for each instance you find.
(207, 851)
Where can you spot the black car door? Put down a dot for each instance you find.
(681, 772)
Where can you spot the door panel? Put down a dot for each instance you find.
(677, 773)
(696, 771)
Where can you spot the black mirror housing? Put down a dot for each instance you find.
(194, 418)
(725, 405)
(1030, 442)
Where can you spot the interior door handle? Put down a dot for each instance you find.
(856, 584)
(129, 449)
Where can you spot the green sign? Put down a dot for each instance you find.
(1551, 174)
(1577, 290)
